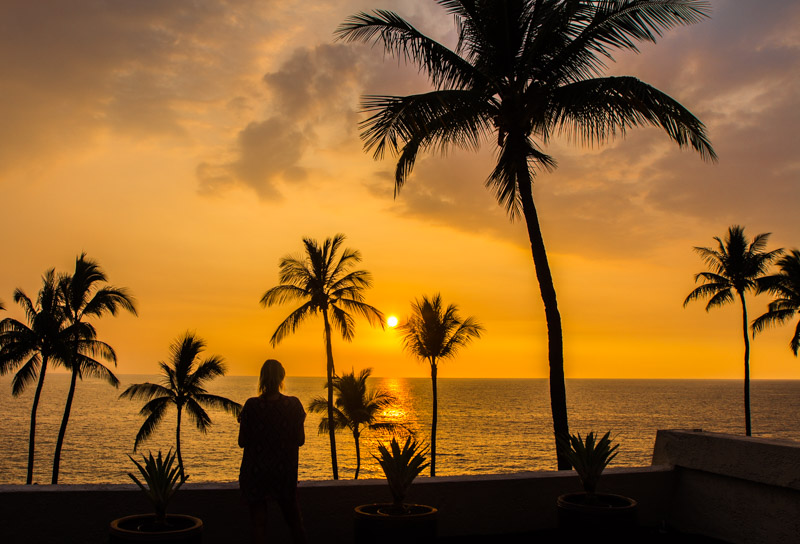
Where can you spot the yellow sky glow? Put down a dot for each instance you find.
(189, 149)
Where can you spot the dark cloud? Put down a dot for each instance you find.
(268, 151)
(73, 69)
(312, 91)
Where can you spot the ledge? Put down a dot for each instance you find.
(762, 460)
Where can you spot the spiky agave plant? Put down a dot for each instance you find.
(589, 457)
(401, 465)
(162, 479)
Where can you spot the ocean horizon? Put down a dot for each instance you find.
(486, 425)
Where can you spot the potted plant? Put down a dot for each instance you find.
(397, 521)
(163, 480)
(591, 511)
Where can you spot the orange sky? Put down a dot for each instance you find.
(188, 146)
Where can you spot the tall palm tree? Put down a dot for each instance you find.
(735, 266)
(85, 295)
(522, 72)
(357, 409)
(785, 286)
(435, 332)
(33, 345)
(322, 278)
(182, 384)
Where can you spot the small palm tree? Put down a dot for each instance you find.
(523, 72)
(85, 295)
(356, 408)
(785, 286)
(184, 378)
(33, 345)
(434, 332)
(322, 278)
(736, 266)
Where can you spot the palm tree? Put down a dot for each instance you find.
(85, 295)
(322, 278)
(786, 288)
(523, 71)
(33, 346)
(184, 378)
(434, 332)
(736, 266)
(357, 409)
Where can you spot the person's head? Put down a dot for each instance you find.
(271, 379)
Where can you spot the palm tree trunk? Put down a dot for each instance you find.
(747, 427)
(435, 415)
(555, 342)
(32, 435)
(358, 454)
(178, 443)
(330, 372)
(63, 430)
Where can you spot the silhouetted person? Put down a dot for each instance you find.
(271, 433)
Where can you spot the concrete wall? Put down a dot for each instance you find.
(468, 505)
(734, 488)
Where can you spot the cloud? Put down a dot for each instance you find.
(73, 70)
(268, 150)
(312, 103)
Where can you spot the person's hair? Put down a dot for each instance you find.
(271, 379)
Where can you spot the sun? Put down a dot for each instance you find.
(392, 321)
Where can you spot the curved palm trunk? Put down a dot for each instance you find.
(178, 443)
(747, 427)
(558, 393)
(358, 454)
(435, 415)
(63, 430)
(32, 435)
(330, 371)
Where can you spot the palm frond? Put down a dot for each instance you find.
(514, 160)
(146, 391)
(595, 29)
(444, 67)
(290, 324)
(431, 121)
(155, 411)
(26, 375)
(223, 403)
(283, 293)
(198, 415)
(343, 322)
(90, 367)
(208, 369)
(595, 110)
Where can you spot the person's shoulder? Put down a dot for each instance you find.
(294, 401)
(249, 402)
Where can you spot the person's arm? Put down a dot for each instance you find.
(243, 426)
(301, 420)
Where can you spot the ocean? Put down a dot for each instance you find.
(486, 426)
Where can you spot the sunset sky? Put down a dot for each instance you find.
(188, 146)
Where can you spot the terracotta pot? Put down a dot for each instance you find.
(180, 529)
(583, 515)
(381, 522)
